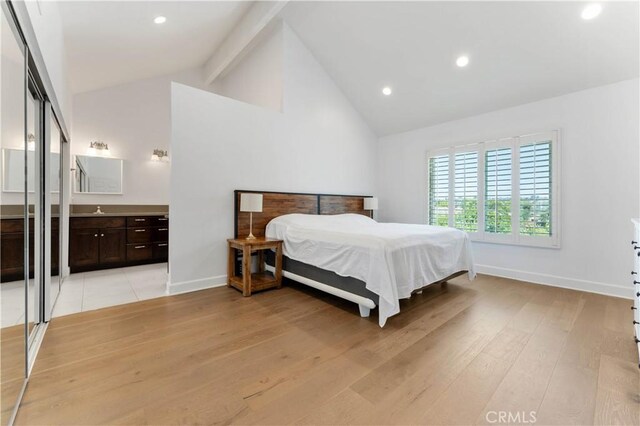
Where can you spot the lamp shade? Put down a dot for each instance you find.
(371, 203)
(250, 202)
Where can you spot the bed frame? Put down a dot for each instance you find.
(276, 204)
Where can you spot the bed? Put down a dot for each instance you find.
(332, 244)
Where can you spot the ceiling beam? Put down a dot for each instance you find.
(259, 15)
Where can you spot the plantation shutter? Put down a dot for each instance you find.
(535, 189)
(465, 213)
(497, 197)
(439, 190)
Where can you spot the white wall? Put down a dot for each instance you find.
(133, 119)
(257, 77)
(319, 143)
(599, 184)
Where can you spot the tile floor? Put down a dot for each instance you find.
(88, 291)
(99, 289)
(12, 303)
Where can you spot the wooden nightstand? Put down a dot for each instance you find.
(260, 280)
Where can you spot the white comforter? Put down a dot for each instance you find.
(393, 259)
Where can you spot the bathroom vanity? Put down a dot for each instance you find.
(117, 240)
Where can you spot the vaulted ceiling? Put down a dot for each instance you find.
(113, 42)
(518, 52)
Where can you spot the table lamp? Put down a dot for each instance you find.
(251, 203)
(371, 204)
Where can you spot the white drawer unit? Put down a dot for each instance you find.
(635, 280)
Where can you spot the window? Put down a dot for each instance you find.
(439, 190)
(497, 193)
(535, 189)
(465, 210)
(503, 191)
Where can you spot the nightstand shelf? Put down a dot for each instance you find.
(261, 280)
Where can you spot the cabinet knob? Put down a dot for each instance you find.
(95, 235)
(634, 243)
(636, 282)
(638, 294)
(634, 273)
(633, 308)
(102, 235)
(635, 322)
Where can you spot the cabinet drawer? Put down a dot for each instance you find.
(160, 221)
(136, 252)
(97, 222)
(161, 251)
(139, 221)
(139, 235)
(161, 233)
(11, 225)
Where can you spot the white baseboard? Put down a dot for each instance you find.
(195, 285)
(532, 277)
(556, 281)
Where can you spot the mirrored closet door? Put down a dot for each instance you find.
(32, 144)
(33, 158)
(54, 166)
(14, 220)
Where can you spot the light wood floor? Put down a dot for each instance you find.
(454, 354)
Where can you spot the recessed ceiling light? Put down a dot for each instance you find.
(591, 11)
(386, 91)
(462, 61)
(160, 20)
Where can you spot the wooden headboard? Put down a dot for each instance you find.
(276, 204)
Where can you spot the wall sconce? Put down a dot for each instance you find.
(160, 155)
(98, 148)
(31, 142)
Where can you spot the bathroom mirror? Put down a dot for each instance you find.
(13, 170)
(98, 175)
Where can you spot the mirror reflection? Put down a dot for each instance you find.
(13, 170)
(13, 312)
(98, 175)
(55, 225)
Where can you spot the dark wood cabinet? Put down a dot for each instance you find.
(139, 235)
(161, 251)
(147, 239)
(137, 252)
(115, 241)
(84, 248)
(12, 256)
(12, 248)
(112, 246)
(97, 242)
